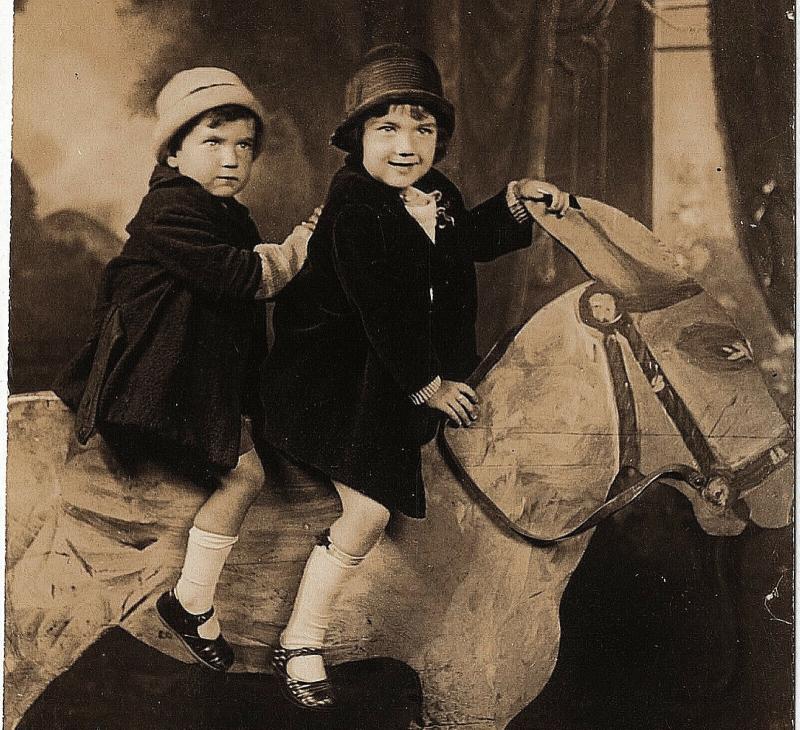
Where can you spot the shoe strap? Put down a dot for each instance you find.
(198, 619)
(201, 618)
(302, 651)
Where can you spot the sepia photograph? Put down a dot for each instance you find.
(391, 365)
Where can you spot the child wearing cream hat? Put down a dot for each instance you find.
(169, 374)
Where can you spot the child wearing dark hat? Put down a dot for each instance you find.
(376, 334)
(169, 374)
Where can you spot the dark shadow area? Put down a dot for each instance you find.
(56, 264)
(753, 52)
(664, 626)
(119, 683)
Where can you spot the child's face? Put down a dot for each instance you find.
(398, 149)
(219, 158)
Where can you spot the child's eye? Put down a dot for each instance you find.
(386, 128)
(427, 130)
(211, 142)
(246, 145)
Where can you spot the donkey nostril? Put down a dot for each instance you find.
(718, 492)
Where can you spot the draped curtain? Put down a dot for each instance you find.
(753, 48)
(502, 67)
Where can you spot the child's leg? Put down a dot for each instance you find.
(224, 511)
(216, 529)
(187, 609)
(352, 536)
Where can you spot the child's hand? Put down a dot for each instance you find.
(540, 191)
(311, 223)
(457, 401)
(306, 228)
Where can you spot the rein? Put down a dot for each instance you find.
(623, 499)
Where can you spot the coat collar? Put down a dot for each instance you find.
(164, 176)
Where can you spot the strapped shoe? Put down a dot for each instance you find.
(215, 654)
(308, 695)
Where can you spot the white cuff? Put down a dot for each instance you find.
(423, 394)
(515, 205)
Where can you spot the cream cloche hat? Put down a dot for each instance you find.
(192, 92)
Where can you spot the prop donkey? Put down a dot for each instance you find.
(634, 380)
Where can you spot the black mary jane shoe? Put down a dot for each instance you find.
(308, 695)
(215, 654)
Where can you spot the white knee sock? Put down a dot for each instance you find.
(206, 553)
(325, 573)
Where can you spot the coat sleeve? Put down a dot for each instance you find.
(493, 231)
(181, 239)
(280, 262)
(395, 316)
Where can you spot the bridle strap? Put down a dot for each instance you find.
(746, 477)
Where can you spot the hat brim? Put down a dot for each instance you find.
(438, 106)
(197, 104)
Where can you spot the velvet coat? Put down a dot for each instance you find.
(179, 336)
(377, 312)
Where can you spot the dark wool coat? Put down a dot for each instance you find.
(374, 315)
(179, 336)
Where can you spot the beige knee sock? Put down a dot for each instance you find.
(206, 553)
(325, 574)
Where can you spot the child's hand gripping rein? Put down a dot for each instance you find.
(556, 201)
(457, 401)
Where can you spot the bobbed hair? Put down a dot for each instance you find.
(350, 136)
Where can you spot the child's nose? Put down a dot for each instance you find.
(230, 157)
(404, 145)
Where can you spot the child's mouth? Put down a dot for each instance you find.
(405, 165)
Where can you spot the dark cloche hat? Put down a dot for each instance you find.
(394, 72)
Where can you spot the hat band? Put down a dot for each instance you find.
(196, 91)
(209, 86)
(384, 76)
